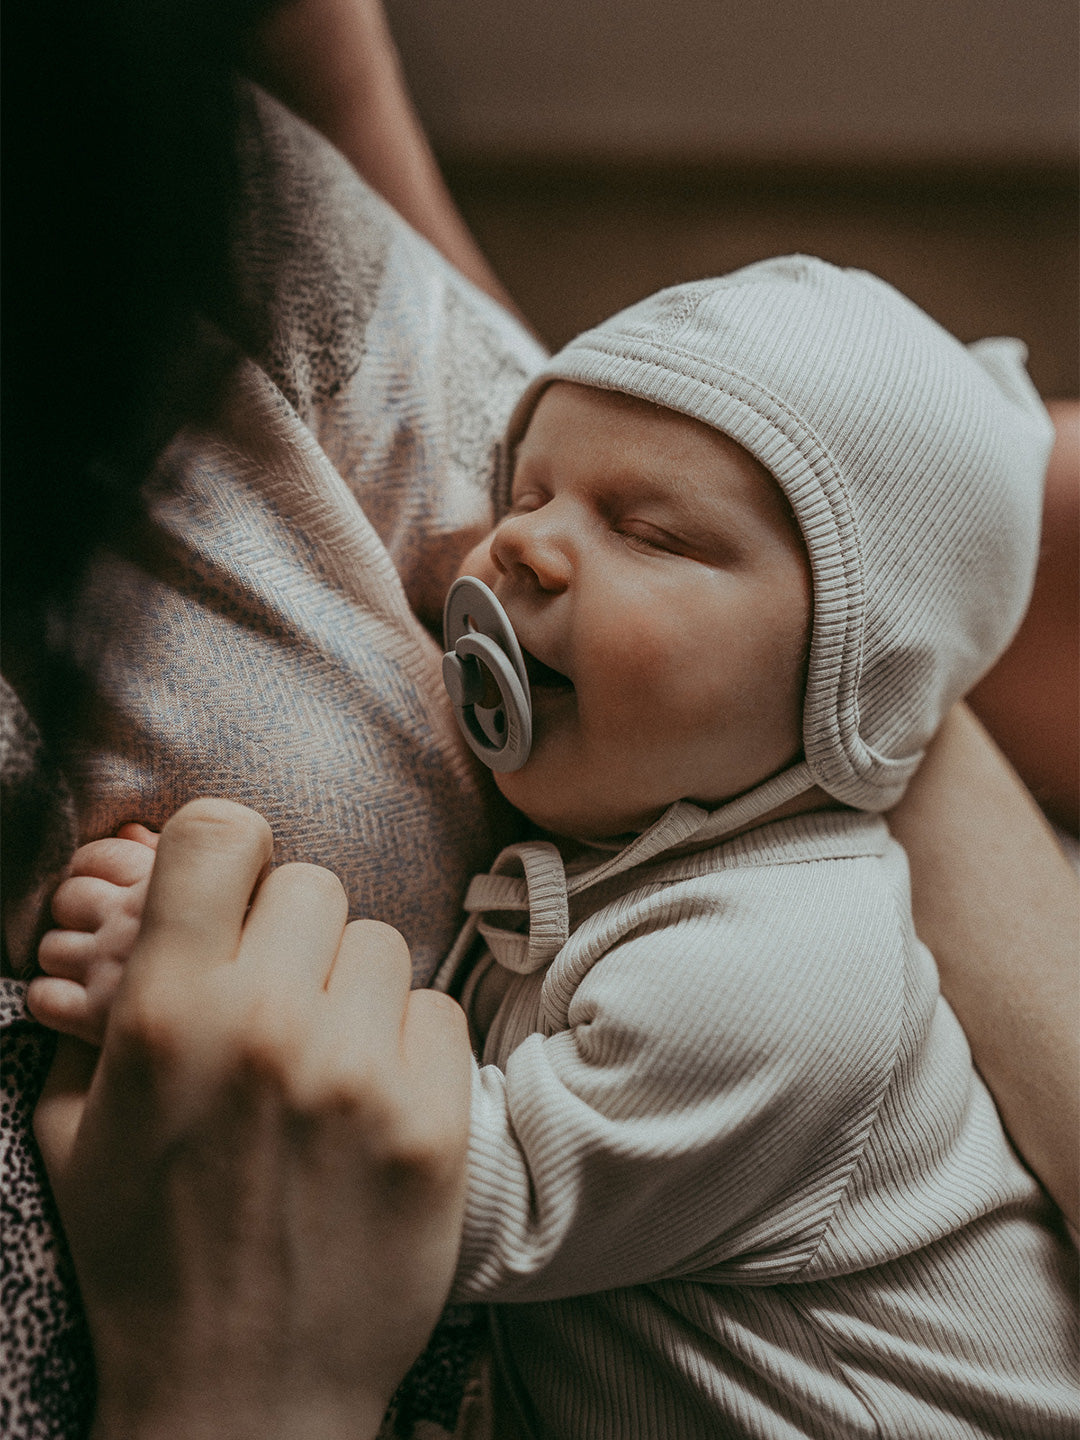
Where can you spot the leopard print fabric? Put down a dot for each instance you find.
(46, 1369)
(46, 1375)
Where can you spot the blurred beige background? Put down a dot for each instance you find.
(602, 149)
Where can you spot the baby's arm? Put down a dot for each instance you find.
(699, 1090)
(98, 909)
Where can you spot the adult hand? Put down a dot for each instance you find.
(262, 1178)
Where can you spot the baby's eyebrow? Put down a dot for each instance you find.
(672, 491)
(514, 467)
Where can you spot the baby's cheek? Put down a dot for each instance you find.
(632, 653)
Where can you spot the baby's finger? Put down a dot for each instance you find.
(119, 860)
(67, 953)
(66, 1006)
(139, 833)
(83, 902)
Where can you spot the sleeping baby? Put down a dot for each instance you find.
(732, 1171)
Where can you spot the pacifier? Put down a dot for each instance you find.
(485, 676)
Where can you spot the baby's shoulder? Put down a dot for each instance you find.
(837, 889)
(814, 945)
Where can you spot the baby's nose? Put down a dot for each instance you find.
(532, 547)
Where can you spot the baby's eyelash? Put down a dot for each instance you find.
(657, 544)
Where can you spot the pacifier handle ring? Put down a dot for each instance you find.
(478, 634)
(500, 735)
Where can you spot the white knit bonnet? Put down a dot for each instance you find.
(914, 465)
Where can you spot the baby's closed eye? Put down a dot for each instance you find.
(641, 536)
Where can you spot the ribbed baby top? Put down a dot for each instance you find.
(732, 1172)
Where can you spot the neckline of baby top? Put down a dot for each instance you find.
(532, 881)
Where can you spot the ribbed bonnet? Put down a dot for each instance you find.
(914, 465)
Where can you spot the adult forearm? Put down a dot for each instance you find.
(335, 63)
(999, 905)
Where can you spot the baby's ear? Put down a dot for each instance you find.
(139, 833)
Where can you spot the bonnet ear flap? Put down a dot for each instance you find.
(1004, 361)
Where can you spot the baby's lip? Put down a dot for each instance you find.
(543, 676)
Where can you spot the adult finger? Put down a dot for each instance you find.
(209, 860)
(369, 986)
(438, 1060)
(295, 926)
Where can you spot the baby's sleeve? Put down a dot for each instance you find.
(700, 1114)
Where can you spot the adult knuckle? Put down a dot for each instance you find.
(267, 1046)
(421, 1157)
(313, 881)
(360, 1096)
(402, 1135)
(218, 825)
(350, 1088)
(337, 1096)
(149, 1029)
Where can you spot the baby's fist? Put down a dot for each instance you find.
(99, 909)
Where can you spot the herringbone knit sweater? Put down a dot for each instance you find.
(732, 1172)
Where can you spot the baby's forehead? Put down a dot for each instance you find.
(640, 447)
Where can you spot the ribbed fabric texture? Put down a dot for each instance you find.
(732, 1172)
(914, 465)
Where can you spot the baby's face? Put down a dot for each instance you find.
(660, 589)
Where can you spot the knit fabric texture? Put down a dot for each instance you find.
(258, 639)
(914, 465)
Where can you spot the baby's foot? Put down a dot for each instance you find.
(98, 908)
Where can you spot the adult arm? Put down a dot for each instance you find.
(262, 1179)
(999, 905)
(335, 64)
(1028, 701)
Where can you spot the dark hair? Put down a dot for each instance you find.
(119, 180)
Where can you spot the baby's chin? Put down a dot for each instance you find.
(574, 821)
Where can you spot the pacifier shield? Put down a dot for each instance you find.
(485, 676)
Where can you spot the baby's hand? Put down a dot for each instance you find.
(99, 907)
